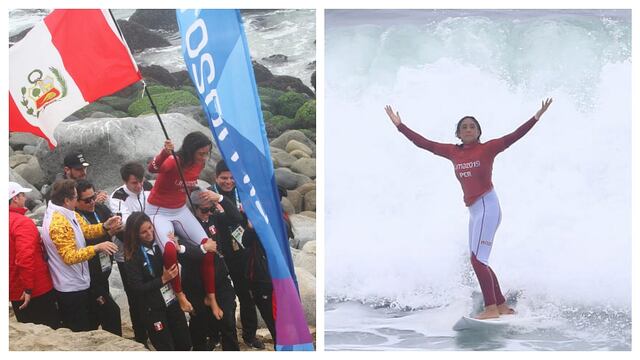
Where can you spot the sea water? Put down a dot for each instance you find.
(289, 32)
(397, 259)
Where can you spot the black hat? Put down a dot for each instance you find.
(221, 167)
(75, 160)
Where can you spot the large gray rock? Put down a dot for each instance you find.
(299, 154)
(304, 229)
(305, 167)
(307, 287)
(32, 337)
(289, 179)
(31, 172)
(108, 143)
(305, 188)
(282, 140)
(159, 74)
(287, 206)
(305, 260)
(17, 140)
(139, 38)
(29, 149)
(287, 83)
(296, 199)
(310, 201)
(34, 194)
(158, 19)
(294, 145)
(18, 159)
(281, 158)
(309, 214)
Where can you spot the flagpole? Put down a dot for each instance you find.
(164, 130)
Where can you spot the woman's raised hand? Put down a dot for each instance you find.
(168, 146)
(543, 108)
(395, 117)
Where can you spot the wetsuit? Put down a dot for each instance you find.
(473, 165)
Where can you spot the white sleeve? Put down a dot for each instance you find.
(119, 206)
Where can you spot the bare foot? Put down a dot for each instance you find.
(185, 305)
(505, 310)
(490, 312)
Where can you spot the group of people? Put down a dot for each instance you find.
(179, 249)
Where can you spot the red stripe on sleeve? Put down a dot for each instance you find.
(91, 52)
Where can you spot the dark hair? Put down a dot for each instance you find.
(62, 189)
(221, 167)
(132, 168)
(460, 124)
(82, 186)
(132, 233)
(192, 142)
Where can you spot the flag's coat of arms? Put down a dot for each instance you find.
(42, 90)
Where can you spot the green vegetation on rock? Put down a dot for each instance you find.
(282, 123)
(269, 98)
(163, 101)
(158, 89)
(289, 102)
(306, 115)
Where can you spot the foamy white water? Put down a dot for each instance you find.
(396, 226)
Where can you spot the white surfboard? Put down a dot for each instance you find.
(469, 323)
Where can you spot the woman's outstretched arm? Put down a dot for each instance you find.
(420, 141)
(509, 139)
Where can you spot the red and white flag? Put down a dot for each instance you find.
(71, 58)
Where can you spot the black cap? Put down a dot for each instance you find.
(75, 160)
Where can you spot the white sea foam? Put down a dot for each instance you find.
(396, 226)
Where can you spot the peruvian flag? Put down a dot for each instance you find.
(71, 58)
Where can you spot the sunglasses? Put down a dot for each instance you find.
(90, 199)
(208, 210)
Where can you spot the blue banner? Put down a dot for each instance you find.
(218, 60)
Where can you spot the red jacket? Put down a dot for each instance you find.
(27, 266)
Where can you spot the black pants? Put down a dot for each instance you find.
(137, 322)
(203, 325)
(41, 310)
(74, 309)
(226, 327)
(103, 310)
(248, 314)
(263, 297)
(167, 328)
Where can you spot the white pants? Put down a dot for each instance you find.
(179, 221)
(484, 219)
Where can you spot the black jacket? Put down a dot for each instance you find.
(225, 224)
(145, 285)
(99, 279)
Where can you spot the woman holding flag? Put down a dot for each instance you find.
(166, 206)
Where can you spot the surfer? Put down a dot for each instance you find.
(167, 208)
(473, 164)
